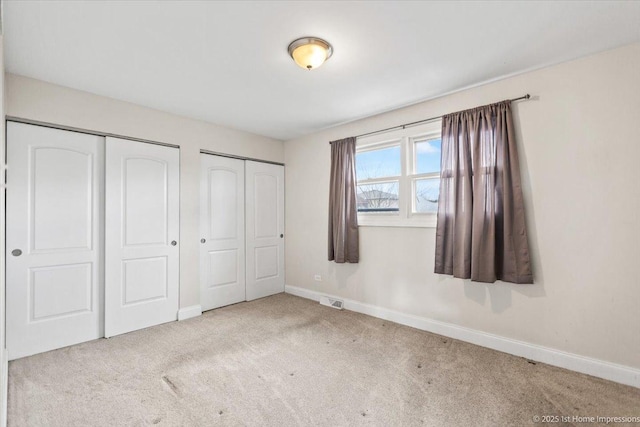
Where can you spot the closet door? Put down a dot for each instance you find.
(265, 229)
(222, 255)
(54, 271)
(141, 235)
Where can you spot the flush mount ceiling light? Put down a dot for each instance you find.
(310, 52)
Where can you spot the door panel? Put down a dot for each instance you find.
(266, 260)
(145, 201)
(224, 267)
(142, 235)
(60, 290)
(224, 186)
(54, 205)
(265, 202)
(63, 222)
(265, 228)
(222, 248)
(144, 280)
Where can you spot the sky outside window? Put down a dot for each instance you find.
(428, 156)
(378, 163)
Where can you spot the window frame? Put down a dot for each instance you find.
(387, 143)
(406, 139)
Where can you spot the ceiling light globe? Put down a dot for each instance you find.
(310, 52)
(309, 56)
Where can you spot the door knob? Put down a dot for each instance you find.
(16, 252)
(281, 236)
(173, 243)
(203, 240)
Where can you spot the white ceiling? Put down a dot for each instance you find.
(227, 62)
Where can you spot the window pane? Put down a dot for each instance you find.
(378, 163)
(428, 156)
(426, 196)
(380, 197)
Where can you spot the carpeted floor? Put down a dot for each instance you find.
(283, 361)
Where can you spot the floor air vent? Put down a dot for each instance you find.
(331, 302)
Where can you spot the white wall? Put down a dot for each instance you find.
(37, 100)
(579, 142)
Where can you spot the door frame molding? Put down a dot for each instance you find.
(233, 156)
(130, 138)
(85, 131)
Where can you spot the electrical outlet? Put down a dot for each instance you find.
(317, 278)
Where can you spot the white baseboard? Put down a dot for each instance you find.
(574, 362)
(189, 312)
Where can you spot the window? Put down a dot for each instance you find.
(426, 174)
(398, 177)
(378, 171)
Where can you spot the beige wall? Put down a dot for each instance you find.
(37, 100)
(3, 354)
(579, 141)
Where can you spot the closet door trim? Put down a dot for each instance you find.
(233, 156)
(85, 131)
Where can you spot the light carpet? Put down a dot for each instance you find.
(287, 361)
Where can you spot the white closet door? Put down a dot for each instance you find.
(141, 235)
(54, 271)
(222, 262)
(265, 228)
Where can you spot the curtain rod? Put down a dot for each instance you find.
(527, 96)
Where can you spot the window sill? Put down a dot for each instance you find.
(416, 221)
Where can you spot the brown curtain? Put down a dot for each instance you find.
(343, 210)
(481, 231)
